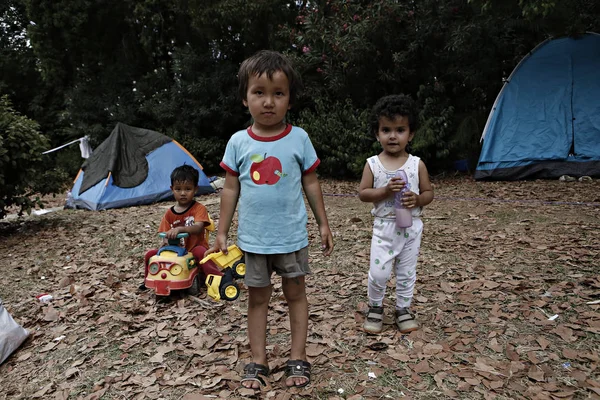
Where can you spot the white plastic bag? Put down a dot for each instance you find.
(12, 335)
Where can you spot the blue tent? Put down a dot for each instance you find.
(131, 167)
(545, 121)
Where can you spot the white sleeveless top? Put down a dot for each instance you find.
(381, 177)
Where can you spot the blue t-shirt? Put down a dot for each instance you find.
(272, 215)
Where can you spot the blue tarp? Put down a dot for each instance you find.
(546, 120)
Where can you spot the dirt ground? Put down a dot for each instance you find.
(507, 295)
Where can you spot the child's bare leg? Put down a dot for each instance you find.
(258, 307)
(294, 291)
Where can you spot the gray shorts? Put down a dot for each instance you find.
(260, 267)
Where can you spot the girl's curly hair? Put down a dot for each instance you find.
(392, 106)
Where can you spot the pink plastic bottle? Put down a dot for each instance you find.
(403, 214)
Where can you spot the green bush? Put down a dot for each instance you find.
(340, 135)
(208, 151)
(466, 140)
(432, 140)
(23, 172)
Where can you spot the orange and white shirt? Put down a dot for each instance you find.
(194, 214)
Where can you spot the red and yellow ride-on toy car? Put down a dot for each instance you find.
(233, 267)
(172, 268)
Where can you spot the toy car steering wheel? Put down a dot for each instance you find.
(174, 242)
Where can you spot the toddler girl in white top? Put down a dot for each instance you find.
(393, 121)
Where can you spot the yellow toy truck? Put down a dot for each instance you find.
(233, 267)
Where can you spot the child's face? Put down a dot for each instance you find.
(394, 134)
(184, 192)
(268, 101)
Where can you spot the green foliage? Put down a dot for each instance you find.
(204, 92)
(18, 74)
(80, 66)
(346, 49)
(432, 140)
(208, 151)
(364, 50)
(449, 55)
(166, 65)
(465, 142)
(554, 18)
(194, 99)
(339, 131)
(21, 160)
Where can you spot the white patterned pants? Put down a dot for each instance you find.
(397, 249)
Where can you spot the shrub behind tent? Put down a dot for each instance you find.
(546, 119)
(131, 167)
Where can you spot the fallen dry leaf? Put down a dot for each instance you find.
(536, 373)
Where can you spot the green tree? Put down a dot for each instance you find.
(19, 78)
(167, 65)
(90, 54)
(367, 49)
(170, 65)
(341, 136)
(555, 18)
(196, 99)
(21, 162)
(451, 56)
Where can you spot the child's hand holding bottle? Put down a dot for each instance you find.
(403, 214)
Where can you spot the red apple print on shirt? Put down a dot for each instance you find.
(265, 170)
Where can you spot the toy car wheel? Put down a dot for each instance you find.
(230, 292)
(239, 268)
(194, 290)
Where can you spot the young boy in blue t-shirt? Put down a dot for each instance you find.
(267, 167)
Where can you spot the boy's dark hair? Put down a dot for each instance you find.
(393, 106)
(269, 62)
(185, 173)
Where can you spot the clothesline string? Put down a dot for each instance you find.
(84, 147)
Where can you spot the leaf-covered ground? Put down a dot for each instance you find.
(507, 294)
